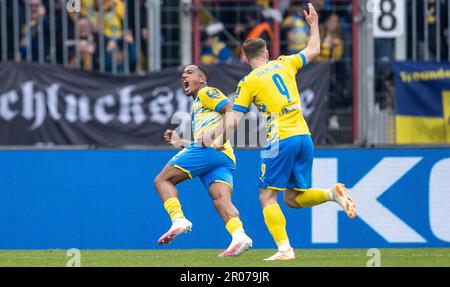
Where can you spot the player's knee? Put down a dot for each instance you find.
(159, 180)
(267, 197)
(290, 202)
(220, 198)
(263, 200)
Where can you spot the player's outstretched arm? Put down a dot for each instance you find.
(312, 50)
(231, 121)
(172, 137)
(207, 138)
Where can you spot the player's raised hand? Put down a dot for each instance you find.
(312, 18)
(171, 137)
(168, 136)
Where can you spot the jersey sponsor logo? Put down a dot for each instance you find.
(238, 90)
(213, 94)
(289, 109)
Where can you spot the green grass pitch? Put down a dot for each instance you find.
(200, 258)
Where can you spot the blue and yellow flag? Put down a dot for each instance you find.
(423, 102)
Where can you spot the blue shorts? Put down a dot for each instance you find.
(209, 164)
(291, 167)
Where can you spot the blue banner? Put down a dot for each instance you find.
(104, 199)
(422, 91)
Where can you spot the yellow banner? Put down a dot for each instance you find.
(423, 130)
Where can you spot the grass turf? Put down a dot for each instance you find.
(200, 258)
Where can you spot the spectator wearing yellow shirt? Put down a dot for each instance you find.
(29, 34)
(90, 11)
(116, 38)
(332, 47)
(216, 51)
(298, 31)
(113, 17)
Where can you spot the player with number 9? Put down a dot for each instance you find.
(272, 87)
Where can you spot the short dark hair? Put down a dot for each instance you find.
(254, 48)
(202, 70)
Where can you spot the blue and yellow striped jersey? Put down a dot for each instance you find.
(206, 114)
(274, 91)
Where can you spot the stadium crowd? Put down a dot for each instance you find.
(95, 21)
(91, 24)
(225, 25)
(220, 47)
(104, 36)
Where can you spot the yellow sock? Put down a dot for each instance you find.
(276, 223)
(173, 208)
(313, 196)
(233, 225)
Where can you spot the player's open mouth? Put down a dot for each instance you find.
(186, 86)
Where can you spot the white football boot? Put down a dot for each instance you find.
(179, 226)
(342, 197)
(282, 255)
(240, 243)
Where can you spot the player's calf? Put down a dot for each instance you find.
(221, 195)
(224, 206)
(165, 183)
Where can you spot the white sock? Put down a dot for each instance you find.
(284, 247)
(331, 195)
(178, 219)
(239, 232)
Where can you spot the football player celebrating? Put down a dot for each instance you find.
(287, 162)
(214, 168)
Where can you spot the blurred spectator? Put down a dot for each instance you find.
(431, 20)
(87, 46)
(115, 58)
(112, 19)
(256, 30)
(89, 10)
(332, 47)
(216, 51)
(86, 52)
(431, 24)
(431, 13)
(29, 36)
(116, 38)
(298, 31)
(264, 4)
(144, 34)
